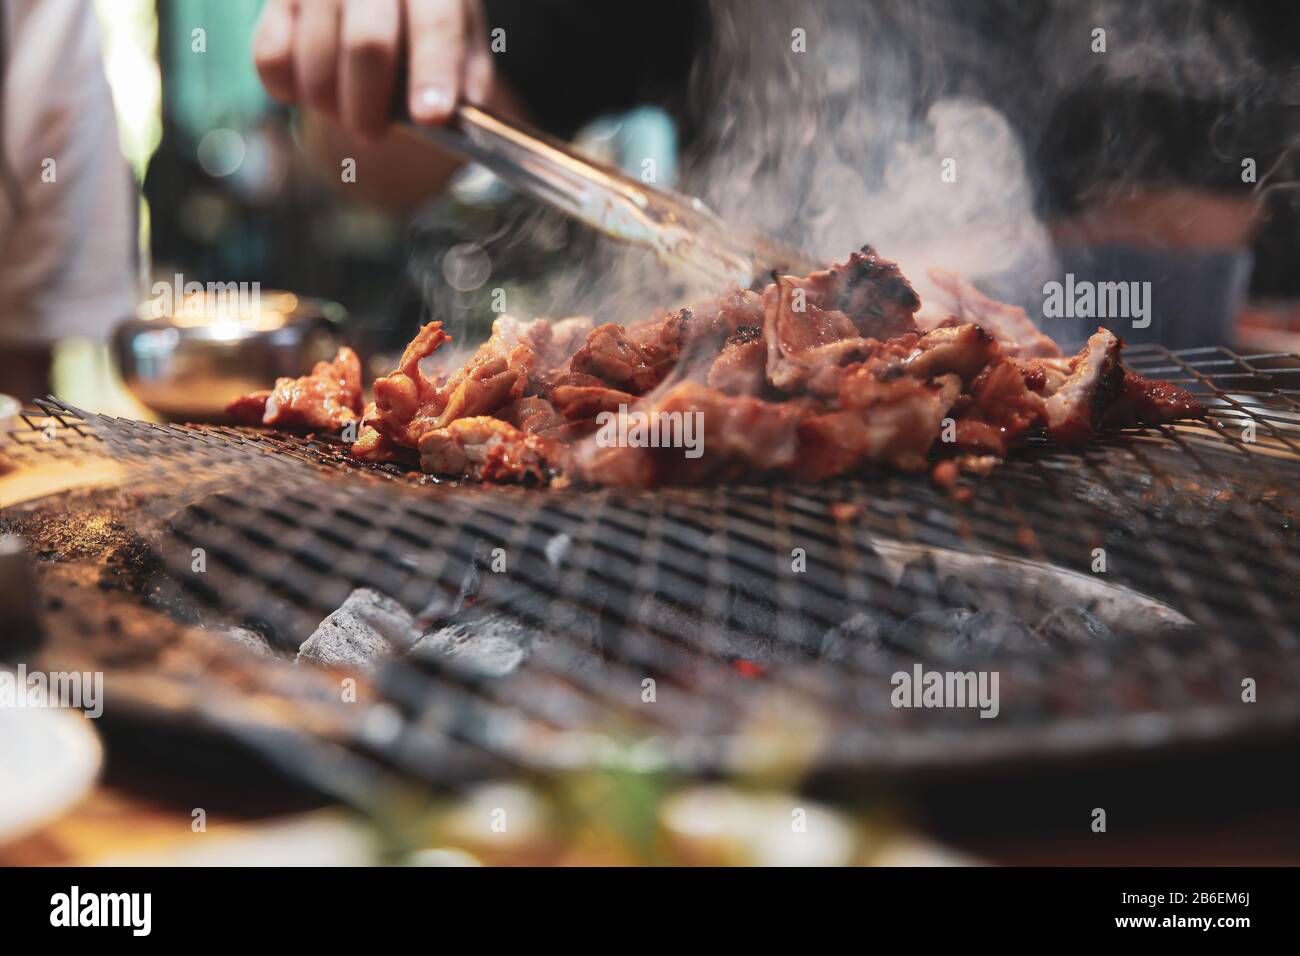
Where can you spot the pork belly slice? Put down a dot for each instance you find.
(1099, 390)
(1096, 379)
(1009, 324)
(486, 448)
(326, 400)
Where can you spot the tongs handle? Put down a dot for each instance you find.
(680, 229)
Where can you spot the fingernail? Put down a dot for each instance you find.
(430, 103)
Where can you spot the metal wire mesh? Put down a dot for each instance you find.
(744, 606)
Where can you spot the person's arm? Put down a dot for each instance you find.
(343, 61)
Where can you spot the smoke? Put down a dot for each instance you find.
(849, 123)
(942, 132)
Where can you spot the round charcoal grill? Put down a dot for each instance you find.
(734, 628)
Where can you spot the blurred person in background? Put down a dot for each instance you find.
(68, 266)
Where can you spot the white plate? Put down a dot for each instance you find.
(49, 759)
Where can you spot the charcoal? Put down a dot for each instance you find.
(558, 548)
(954, 592)
(920, 582)
(485, 644)
(366, 628)
(246, 638)
(938, 633)
(859, 639)
(997, 631)
(443, 605)
(1073, 627)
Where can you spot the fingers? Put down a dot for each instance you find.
(315, 55)
(478, 56)
(341, 57)
(437, 35)
(273, 49)
(371, 32)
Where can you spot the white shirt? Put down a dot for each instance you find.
(68, 209)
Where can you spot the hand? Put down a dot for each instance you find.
(342, 57)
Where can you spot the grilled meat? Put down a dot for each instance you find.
(489, 449)
(1095, 381)
(816, 376)
(870, 291)
(1010, 325)
(804, 339)
(740, 368)
(326, 400)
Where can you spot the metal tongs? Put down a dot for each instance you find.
(680, 229)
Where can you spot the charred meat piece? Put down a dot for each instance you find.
(879, 422)
(741, 367)
(532, 415)
(496, 374)
(1096, 379)
(326, 400)
(249, 409)
(489, 382)
(803, 339)
(814, 377)
(639, 357)
(400, 394)
(489, 449)
(689, 434)
(1044, 375)
(588, 401)
(556, 342)
(611, 357)
(1150, 402)
(999, 411)
(371, 445)
(869, 290)
(964, 350)
(1010, 325)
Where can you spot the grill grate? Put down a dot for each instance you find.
(697, 589)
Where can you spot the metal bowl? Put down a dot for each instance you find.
(188, 362)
